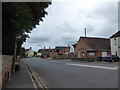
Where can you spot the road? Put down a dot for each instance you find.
(67, 74)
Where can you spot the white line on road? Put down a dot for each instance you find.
(102, 67)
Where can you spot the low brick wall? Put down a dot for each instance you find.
(6, 63)
(6, 67)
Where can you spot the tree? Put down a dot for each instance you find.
(19, 18)
(22, 54)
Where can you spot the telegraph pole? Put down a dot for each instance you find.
(85, 44)
(15, 54)
(14, 57)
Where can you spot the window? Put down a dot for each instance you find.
(91, 53)
(66, 53)
(116, 53)
(82, 48)
(115, 41)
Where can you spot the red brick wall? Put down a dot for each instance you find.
(81, 46)
(62, 51)
(67, 49)
(99, 54)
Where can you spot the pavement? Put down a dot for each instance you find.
(20, 79)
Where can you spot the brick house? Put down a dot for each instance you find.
(58, 50)
(92, 47)
(62, 50)
(115, 44)
(45, 53)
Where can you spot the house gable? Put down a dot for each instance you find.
(93, 45)
(62, 49)
(115, 44)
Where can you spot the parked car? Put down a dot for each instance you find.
(111, 58)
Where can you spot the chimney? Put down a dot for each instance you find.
(49, 48)
(68, 46)
(44, 47)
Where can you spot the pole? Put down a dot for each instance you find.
(15, 50)
(14, 57)
(85, 32)
(85, 44)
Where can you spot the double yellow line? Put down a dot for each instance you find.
(37, 80)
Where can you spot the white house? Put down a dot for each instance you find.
(115, 44)
(29, 52)
(39, 54)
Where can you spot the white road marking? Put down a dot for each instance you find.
(102, 67)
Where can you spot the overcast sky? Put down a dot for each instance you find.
(66, 21)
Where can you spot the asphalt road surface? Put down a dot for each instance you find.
(67, 74)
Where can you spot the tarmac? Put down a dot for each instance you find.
(20, 79)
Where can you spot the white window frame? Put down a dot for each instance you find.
(91, 53)
(115, 41)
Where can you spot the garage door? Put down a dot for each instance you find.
(104, 54)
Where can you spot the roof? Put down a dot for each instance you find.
(74, 45)
(61, 47)
(117, 34)
(27, 50)
(46, 50)
(96, 43)
(40, 50)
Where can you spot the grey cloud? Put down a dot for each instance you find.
(107, 31)
(68, 40)
(107, 11)
(107, 17)
(66, 27)
(90, 28)
(39, 40)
